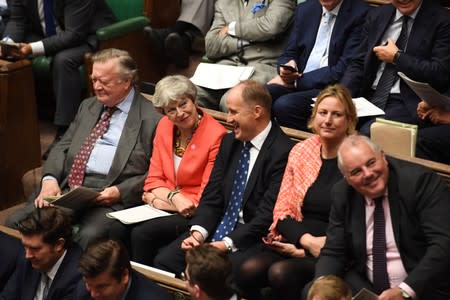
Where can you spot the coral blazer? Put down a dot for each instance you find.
(196, 164)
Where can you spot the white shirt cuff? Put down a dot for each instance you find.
(407, 289)
(49, 177)
(37, 48)
(232, 28)
(202, 231)
(230, 244)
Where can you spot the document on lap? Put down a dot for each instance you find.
(426, 92)
(217, 76)
(137, 214)
(365, 294)
(76, 199)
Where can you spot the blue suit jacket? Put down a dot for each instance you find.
(426, 58)
(141, 289)
(343, 44)
(24, 281)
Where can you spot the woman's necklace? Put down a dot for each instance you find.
(179, 149)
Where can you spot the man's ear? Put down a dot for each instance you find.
(257, 111)
(197, 291)
(125, 276)
(60, 245)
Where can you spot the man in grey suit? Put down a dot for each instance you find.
(64, 30)
(118, 163)
(246, 32)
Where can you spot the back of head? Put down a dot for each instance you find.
(126, 66)
(172, 88)
(105, 256)
(50, 222)
(210, 269)
(256, 93)
(329, 287)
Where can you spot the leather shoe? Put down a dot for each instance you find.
(178, 49)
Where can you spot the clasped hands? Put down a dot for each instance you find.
(50, 187)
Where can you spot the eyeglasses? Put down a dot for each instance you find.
(182, 106)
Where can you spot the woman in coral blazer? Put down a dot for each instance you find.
(186, 143)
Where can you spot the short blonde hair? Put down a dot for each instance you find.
(330, 287)
(341, 93)
(173, 88)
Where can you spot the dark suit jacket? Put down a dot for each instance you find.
(343, 43)
(10, 250)
(141, 288)
(260, 192)
(130, 164)
(420, 207)
(78, 20)
(426, 58)
(25, 280)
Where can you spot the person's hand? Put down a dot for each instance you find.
(223, 31)
(422, 109)
(50, 187)
(438, 115)
(22, 52)
(391, 294)
(387, 52)
(148, 197)
(108, 196)
(286, 249)
(220, 245)
(194, 240)
(184, 205)
(312, 243)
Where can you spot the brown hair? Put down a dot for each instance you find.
(254, 92)
(341, 93)
(330, 287)
(210, 268)
(105, 256)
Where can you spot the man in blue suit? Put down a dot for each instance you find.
(107, 274)
(324, 39)
(48, 270)
(424, 56)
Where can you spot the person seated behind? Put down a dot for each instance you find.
(184, 150)
(398, 37)
(433, 142)
(4, 15)
(107, 274)
(66, 30)
(331, 29)
(48, 270)
(236, 206)
(329, 287)
(9, 252)
(176, 41)
(389, 229)
(300, 216)
(208, 274)
(117, 163)
(252, 33)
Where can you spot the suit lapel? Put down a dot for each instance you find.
(359, 226)
(127, 140)
(419, 28)
(382, 25)
(32, 279)
(311, 31)
(394, 201)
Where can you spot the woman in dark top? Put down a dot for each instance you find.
(301, 212)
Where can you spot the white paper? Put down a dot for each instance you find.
(364, 108)
(216, 76)
(365, 294)
(137, 214)
(425, 91)
(145, 267)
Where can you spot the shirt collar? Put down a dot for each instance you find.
(398, 14)
(124, 106)
(52, 273)
(370, 201)
(258, 140)
(334, 11)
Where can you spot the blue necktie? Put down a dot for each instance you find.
(321, 44)
(380, 274)
(237, 193)
(389, 75)
(50, 28)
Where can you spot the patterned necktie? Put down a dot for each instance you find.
(237, 193)
(380, 274)
(389, 75)
(50, 28)
(321, 44)
(77, 172)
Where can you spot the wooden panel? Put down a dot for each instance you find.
(19, 129)
(161, 13)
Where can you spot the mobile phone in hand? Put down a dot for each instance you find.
(289, 67)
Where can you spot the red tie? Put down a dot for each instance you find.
(77, 172)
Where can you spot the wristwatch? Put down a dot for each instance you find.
(405, 295)
(396, 56)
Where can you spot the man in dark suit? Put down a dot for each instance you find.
(107, 274)
(118, 162)
(247, 210)
(410, 204)
(66, 34)
(423, 56)
(293, 89)
(49, 268)
(9, 251)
